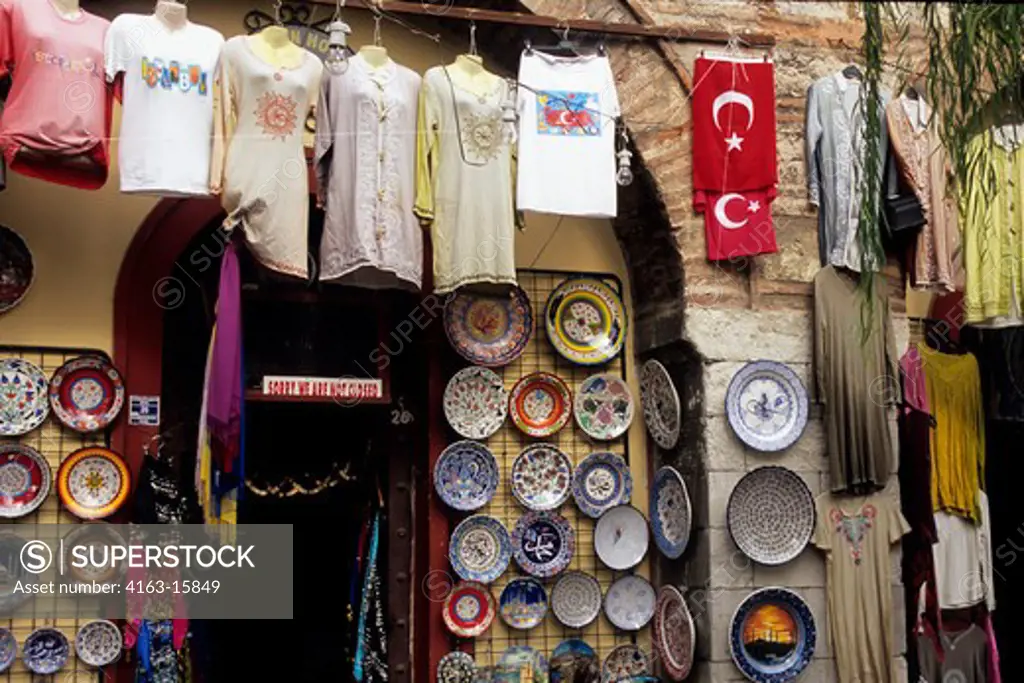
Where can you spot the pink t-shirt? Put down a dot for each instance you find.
(56, 123)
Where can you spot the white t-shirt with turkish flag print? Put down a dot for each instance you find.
(567, 112)
(167, 113)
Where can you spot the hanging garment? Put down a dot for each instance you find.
(835, 158)
(738, 224)
(857, 536)
(167, 111)
(958, 441)
(371, 661)
(963, 560)
(365, 159)
(994, 675)
(856, 381)
(993, 225)
(56, 122)
(464, 177)
(915, 468)
(963, 660)
(567, 110)
(937, 261)
(258, 157)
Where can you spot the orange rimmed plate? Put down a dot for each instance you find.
(93, 482)
(540, 404)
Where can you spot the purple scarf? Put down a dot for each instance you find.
(224, 404)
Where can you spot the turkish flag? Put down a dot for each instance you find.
(739, 224)
(733, 128)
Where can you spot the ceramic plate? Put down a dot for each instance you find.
(625, 661)
(540, 404)
(660, 401)
(86, 393)
(475, 402)
(576, 599)
(674, 635)
(630, 601)
(771, 515)
(523, 603)
(541, 477)
(772, 636)
(45, 651)
(466, 475)
(99, 535)
(23, 402)
(574, 661)
(456, 667)
(8, 649)
(671, 515)
(604, 407)
(11, 572)
(98, 643)
(519, 656)
(489, 330)
(621, 537)
(17, 269)
(543, 543)
(25, 480)
(600, 482)
(767, 406)
(480, 549)
(93, 482)
(469, 609)
(585, 321)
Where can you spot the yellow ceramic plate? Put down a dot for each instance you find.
(585, 321)
(93, 482)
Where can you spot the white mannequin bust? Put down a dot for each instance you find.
(172, 14)
(69, 8)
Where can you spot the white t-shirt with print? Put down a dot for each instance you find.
(567, 110)
(166, 131)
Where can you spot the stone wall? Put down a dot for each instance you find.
(724, 316)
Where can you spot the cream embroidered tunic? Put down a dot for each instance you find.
(259, 159)
(365, 166)
(464, 183)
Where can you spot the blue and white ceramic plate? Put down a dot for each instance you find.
(8, 649)
(456, 667)
(671, 514)
(576, 599)
(98, 643)
(543, 543)
(24, 402)
(466, 475)
(541, 477)
(600, 482)
(771, 515)
(519, 656)
(480, 549)
(767, 406)
(46, 651)
(772, 636)
(523, 603)
(629, 604)
(574, 660)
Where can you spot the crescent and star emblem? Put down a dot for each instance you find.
(723, 202)
(734, 141)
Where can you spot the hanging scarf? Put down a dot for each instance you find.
(371, 645)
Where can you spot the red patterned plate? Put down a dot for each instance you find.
(469, 609)
(86, 393)
(674, 636)
(93, 482)
(24, 480)
(540, 404)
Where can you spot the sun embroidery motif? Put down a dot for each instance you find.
(277, 114)
(854, 528)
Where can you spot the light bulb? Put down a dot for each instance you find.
(624, 176)
(337, 53)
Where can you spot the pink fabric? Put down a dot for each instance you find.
(224, 397)
(60, 104)
(993, 652)
(915, 391)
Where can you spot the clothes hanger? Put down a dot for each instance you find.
(853, 71)
(732, 50)
(472, 39)
(564, 46)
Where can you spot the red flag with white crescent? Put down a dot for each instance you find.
(739, 224)
(733, 128)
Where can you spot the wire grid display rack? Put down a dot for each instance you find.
(55, 442)
(508, 442)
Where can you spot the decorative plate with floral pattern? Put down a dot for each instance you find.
(773, 635)
(671, 514)
(576, 599)
(456, 667)
(523, 603)
(86, 393)
(604, 407)
(543, 543)
(475, 402)
(25, 480)
(624, 662)
(629, 603)
(540, 404)
(93, 482)
(98, 643)
(469, 609)
(585, 321)
(660, 401)
(541, 477)
(600, 482)
(771, 515)
(674, 635)
(480, 549)
(17, 270)
(8, 649)
(767, 405)
(46, 651)
(23, 402)
(486, 329)
(466, 475)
